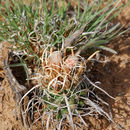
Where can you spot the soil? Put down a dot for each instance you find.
(113, 75)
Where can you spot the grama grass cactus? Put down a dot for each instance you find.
(49, 38)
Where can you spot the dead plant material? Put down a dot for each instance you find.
(68, 41)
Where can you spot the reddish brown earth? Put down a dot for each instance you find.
(115, 79)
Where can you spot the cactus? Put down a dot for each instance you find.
(49, 39)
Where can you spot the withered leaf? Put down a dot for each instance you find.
(74, 36)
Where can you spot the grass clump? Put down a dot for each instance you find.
(49, 38)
